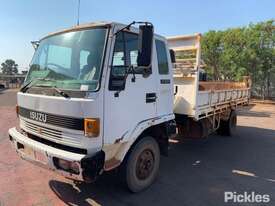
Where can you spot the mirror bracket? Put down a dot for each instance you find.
(144, 70)
(35, 44)
(127, 27)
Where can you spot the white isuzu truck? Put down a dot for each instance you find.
(104, 95)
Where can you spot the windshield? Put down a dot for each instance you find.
(70, 60)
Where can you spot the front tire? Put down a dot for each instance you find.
(142, 164)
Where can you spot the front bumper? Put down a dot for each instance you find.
(90, 166)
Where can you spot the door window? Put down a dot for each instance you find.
(162, 57)
(125, 54)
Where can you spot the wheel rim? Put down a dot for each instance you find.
(145, 164)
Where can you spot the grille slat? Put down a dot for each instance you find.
(58, 133)
(48, 133)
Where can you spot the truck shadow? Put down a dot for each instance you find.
(247, 111)
(195, 173)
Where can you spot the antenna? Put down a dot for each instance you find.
(78, 8)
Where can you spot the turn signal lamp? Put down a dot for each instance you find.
(91, 127)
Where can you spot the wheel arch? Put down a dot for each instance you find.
(160, 132)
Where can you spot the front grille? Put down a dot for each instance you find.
(53, 135)
(53, 119)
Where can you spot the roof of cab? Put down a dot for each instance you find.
(89, 25)
(81, 27)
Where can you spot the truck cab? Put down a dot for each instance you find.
(89, 105)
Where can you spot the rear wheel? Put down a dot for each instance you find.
(142, 165)
(228, 128)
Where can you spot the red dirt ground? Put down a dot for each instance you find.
(193, 174)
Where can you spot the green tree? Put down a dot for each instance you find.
(212, 50)
(232, 57)
(9, 67)
(236, 52)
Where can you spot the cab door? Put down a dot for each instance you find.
(129, 99)
(164, 79)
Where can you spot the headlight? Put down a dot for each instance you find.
(66, 165)
(91, 127)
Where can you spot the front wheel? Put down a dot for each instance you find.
(142, 165)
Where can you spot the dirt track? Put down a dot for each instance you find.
(195, 173)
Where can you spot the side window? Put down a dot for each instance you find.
(119, 53)
(131, 48)
(118, 58)
(133, 57)
(126, 49)
(162, 57)
(125, 54)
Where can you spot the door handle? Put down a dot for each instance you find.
(176, 90)
(151, 97)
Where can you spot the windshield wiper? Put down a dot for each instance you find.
(31, 83)
(57, 90)
(61, 92)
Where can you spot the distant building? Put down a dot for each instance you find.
(12, 81)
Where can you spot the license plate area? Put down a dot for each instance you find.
(33, 154)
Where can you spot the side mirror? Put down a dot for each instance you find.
(172, 56)
(145, 45)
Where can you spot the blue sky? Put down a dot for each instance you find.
(22, 21)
